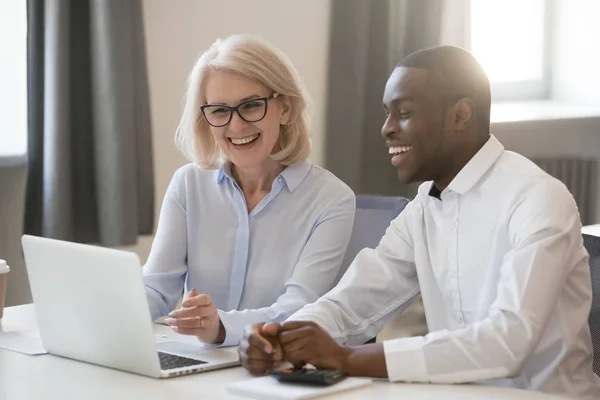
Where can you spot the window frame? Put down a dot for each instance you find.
(13, 151)
(533, 89)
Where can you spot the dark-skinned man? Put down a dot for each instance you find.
(491, 243)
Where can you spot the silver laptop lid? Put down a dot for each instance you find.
(91, 304)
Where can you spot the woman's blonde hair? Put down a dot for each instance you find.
(260, 61)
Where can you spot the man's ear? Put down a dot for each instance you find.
(463, 113)
(286, 110)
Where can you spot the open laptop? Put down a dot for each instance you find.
(91, 306)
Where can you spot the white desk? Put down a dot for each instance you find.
(44, 377)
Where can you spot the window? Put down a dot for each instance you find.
(511, 40)
(13, 77)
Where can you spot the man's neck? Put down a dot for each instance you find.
(459, 162)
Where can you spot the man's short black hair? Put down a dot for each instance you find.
(454, 73)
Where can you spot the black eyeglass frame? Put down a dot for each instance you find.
(237, 109)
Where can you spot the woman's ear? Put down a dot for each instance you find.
(463, 113)
(286, 110)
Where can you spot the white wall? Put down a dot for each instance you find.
(570, 138)
(177, 32)
(569, 125)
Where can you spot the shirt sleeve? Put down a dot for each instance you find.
(379, 284)
(545, 234)
(164, 272)
(314, 273)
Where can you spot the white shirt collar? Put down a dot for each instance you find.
(477, 166)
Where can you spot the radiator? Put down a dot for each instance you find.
(579, 175)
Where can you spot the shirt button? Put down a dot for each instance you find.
(459, 317)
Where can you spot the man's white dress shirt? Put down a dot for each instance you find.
(499, 262)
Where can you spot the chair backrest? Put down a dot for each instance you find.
(373, 216)
(592, 245)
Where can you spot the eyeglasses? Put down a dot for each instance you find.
(254, 110)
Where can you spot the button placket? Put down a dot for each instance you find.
(240, 259)
(453, 256)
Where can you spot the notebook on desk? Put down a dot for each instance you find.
(268, 387)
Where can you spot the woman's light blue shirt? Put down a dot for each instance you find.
(257, 266)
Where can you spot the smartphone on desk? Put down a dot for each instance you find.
(307, 376)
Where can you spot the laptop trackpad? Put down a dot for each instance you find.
(180, 348)
(199, 352)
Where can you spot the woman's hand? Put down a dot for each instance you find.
(198, 316)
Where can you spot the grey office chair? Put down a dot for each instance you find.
(373, 216)
(592, 245)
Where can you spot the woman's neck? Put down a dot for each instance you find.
(256, 182)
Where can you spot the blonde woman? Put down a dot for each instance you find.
(250, 230)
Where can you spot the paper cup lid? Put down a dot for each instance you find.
(4, 267)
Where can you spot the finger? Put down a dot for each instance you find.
(298, 350)
(287, 337)
(271, 329)
(245, 346)
(194, 322)
(296, 360)
(198, 311)
(257, 340)
(277, 352)
(196, 301)
(299, 364)
(259, 367)
(293, 325)
(188, 331)
(298, 353)
(256, 353)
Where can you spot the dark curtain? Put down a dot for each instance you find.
(90, 162)
(368, 38)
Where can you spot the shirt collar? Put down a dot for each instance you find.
(477, 166)
(295, 174)
(224, 171)
(292, 175)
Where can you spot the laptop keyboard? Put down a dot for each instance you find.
(171, 361)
